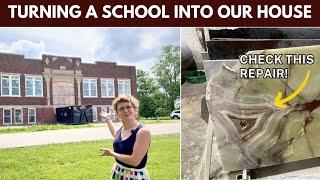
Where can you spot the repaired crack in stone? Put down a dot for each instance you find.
(250, 131)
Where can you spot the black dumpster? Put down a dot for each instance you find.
(74, 114)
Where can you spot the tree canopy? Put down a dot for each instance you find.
(157, 92)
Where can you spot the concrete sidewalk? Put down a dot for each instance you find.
(74, 135)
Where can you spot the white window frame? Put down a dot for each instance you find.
(4, 116)
(123, 85)
(10, 85)
(106, 81)
(96, 110)
(14, 115)
(89, 79)
(110, 107)
(33, 85)
(35, 116)
(102, 110)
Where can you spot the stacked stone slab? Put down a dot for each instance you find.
(227, 45)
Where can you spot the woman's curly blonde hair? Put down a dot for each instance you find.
(125, 98)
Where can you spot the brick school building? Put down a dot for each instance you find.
(31, 89)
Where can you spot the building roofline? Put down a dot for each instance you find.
(84, 63)
(127, 66)
(32, 59)
(61, 56)
(12, 54)
(100, 61)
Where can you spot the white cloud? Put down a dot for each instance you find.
(145, 64)
(78, 42)
(129, 46)
(24, 47)
(148, 42)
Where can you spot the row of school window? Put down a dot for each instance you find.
(107, 87)
(18, 115)
(10, 86)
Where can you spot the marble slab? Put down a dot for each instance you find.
(250, 131)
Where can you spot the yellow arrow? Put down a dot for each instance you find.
(278, 102)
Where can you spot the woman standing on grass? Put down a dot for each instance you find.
(131, 141)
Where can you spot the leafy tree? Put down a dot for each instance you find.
(146, 84)
(167, 73)
(146, 90)
(158, 92)
(162, 104)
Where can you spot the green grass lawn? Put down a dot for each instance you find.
(45, 127)
(82, 161)
(41, 127)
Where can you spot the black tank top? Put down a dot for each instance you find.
(126, 147)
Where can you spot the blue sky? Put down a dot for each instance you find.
(126, 46)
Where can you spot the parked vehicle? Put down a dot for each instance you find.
(175, 114)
